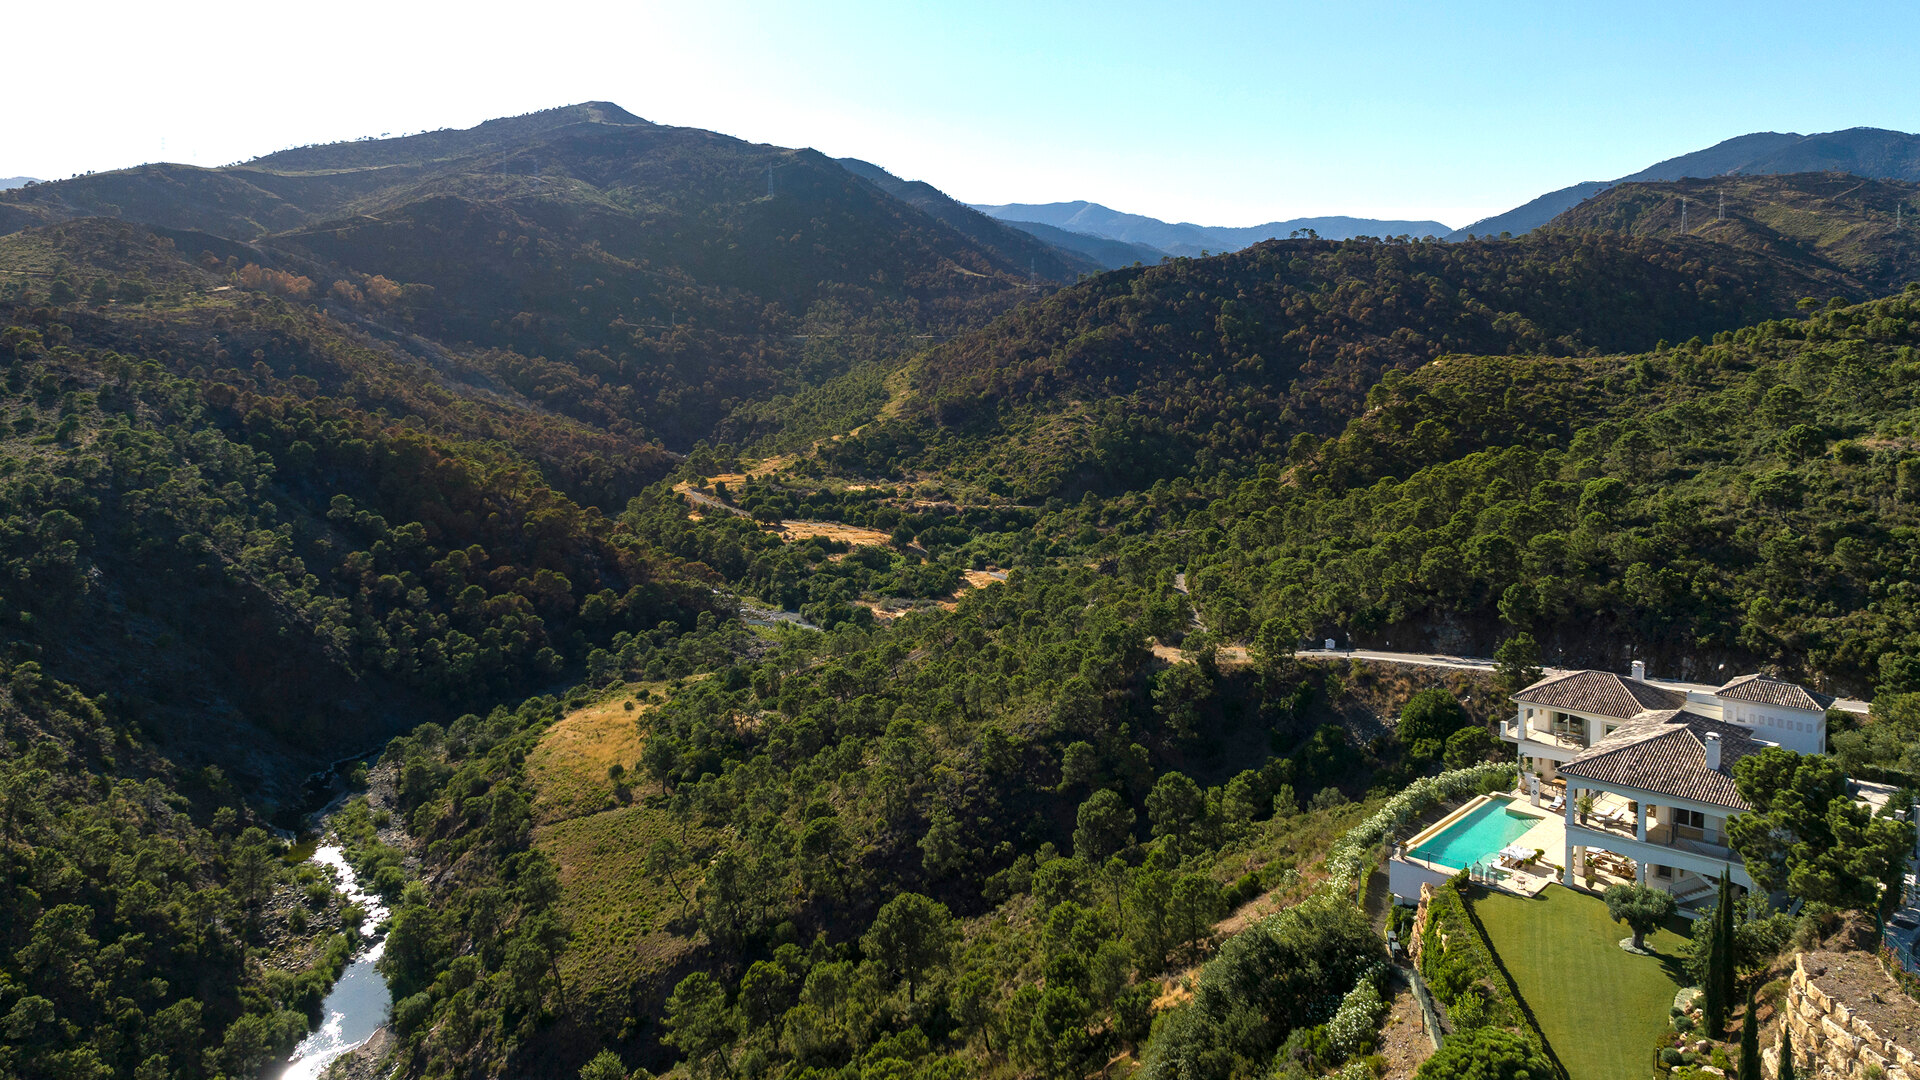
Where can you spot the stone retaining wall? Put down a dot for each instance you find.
(1830, 1037)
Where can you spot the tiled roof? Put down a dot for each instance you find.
(1767, 690)
(1600, 692)
(1665, 753)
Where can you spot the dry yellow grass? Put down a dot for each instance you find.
(980, 579)
(1172, 993)
(569, 767)
(795, 531)
(884, 614)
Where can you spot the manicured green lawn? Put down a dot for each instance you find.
(1601, 1007)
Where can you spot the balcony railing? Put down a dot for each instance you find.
(1661, 835)
(1548, 738)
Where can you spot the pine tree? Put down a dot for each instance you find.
(1750, 1043)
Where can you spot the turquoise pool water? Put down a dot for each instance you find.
(1482, 832)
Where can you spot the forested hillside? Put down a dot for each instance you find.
(1749, 500)
(972, 843)
(1203, 365)
(241, 519)
(149, 925)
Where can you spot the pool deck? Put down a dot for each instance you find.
(1549, 834)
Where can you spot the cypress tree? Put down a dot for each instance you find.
(1750, 1043)
(1729, 977)
(1719, 984)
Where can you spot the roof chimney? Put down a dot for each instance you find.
(1713, 751)
(1639, 671)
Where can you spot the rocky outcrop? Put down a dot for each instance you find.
(1416, 936)
(1849, 1020)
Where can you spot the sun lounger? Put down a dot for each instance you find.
(1559, 803)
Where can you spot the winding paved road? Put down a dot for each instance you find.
(1476, 663)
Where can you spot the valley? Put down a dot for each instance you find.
(815, 629)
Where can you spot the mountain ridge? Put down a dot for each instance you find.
(1062, 264)
(1111, 254)
(631, 273)
(1875, 153)
(1141, 374)
(1853, 231)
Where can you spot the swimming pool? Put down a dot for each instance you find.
(1475, 835)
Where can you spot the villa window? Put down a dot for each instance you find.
(1689, 819)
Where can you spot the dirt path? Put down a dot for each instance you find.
(1403, 1040)
(708, 502)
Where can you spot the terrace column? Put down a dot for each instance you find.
(1573, 796)
(1566, 865)
(1640, 831)
(1640, 870)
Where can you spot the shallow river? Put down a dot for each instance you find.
(357, 1004)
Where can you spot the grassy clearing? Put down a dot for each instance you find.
(794, 531)
(1602, 1008)
(569, 767)
(624, 920)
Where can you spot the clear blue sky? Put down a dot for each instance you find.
(1220, 113)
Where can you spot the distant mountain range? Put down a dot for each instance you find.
(1109, 253)
(1870, 152)
(15, 181)
(1050, 252)
(1114, 239)
(1185, 238)
(1043, 257)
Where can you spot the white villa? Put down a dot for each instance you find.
(1623, 779)
(1657, 762)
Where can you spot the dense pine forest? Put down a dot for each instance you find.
(751, 619)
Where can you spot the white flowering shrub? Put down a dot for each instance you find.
(1358, 1017)
(1357, 1070)
(1350, 854)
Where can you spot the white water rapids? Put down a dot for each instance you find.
(357, 1005)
